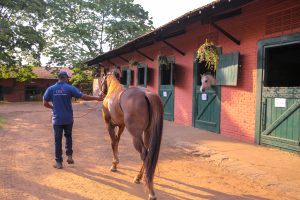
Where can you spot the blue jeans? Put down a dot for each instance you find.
(58, 132)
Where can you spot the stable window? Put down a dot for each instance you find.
(33, 93)
(142, 75)
(166, 74)
(124, 77)
(282, 66)
(131, 77)
(1, 93)
(127, 77)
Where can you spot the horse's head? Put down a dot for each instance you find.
(107, 78)
(207, 80)
(103, 85)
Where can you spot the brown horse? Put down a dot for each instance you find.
(141, 112)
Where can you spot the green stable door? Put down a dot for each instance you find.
(207, 105)
(166, 88)
(278, 98)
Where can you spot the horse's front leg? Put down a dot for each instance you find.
(113, 141)
(115, 138)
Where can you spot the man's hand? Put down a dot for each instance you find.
(47, 104)
(100, 98)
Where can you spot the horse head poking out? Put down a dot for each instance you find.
(141, 112)
(207, 80)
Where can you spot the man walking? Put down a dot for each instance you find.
(61, 95)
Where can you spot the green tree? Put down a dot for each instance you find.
(21, 73)
(20, 38)
(83, 79)
(82, 29)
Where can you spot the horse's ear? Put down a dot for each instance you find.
(102, 71)
(105, 70)
(118, 69)
(117, 72)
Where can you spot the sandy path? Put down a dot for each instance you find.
(26, 170)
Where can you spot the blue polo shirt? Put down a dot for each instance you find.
(61, 95)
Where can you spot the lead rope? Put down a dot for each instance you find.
(90, 110)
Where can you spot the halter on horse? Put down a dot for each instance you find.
(141, 112)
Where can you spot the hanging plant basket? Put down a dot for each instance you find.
(133, 63)
(208, 53)
(162, 60)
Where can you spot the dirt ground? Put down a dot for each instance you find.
(27, 155)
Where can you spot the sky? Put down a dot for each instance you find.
(164, 11)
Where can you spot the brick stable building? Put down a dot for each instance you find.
(13, 91)
(257, 96)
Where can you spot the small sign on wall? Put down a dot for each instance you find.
(204, 96)
(280, 102)
(165, 94)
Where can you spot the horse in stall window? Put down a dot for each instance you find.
(207, 80)
(141, 112)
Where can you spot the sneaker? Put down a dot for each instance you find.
(70, 160)
(58, 165)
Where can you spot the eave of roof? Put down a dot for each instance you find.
(178, 24)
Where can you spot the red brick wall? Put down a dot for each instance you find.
(238, 103)
(16, 92)
(18, 88)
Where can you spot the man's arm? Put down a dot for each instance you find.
(90, 98)
(47, 104)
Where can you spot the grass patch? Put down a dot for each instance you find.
(2, 121)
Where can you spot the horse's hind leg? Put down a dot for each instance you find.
(138, 177)
(115, 138)
(140, 147)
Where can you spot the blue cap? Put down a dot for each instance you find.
(63, 74)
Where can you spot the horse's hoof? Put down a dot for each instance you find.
(151, 197)
(137, 180)
(113, 169)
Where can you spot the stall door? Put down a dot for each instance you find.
(166, 88)
(206, 106)
(280, 98)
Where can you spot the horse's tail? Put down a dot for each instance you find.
(155, 135)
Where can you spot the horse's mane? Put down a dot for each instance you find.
(113, 84)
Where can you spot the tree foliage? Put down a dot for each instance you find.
(82, 29)
(83, 79)
(20, 39)
(21, 73)
(68, 31)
